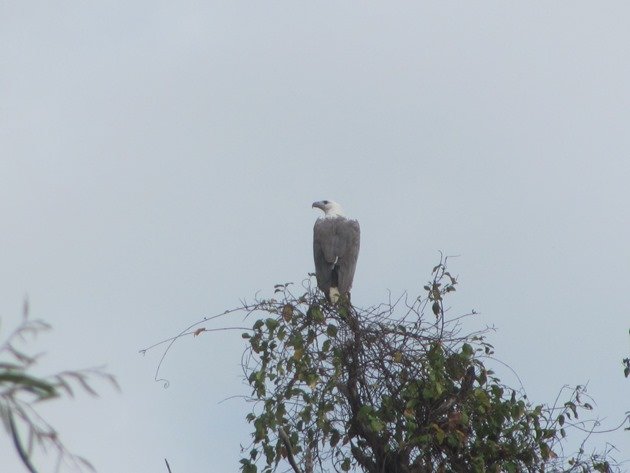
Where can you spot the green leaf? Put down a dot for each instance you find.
(315, 314)
(365, 411)
(439, 433)
(334, 437)
(282, 333)
(42, 389)
(511, 467)
(376, 425)
(259, 323)
(331, 330)
(271, 324)
(248, 466)
(571, 405)
(467, 350)
(436, 308)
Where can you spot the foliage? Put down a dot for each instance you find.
(392, 389)
(20, 391)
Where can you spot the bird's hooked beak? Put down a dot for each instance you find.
(318, 205)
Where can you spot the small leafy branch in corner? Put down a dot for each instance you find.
(626, 367)
(20, 391)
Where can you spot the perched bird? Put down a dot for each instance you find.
(335, 250)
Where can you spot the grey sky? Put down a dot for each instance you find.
(158, 161)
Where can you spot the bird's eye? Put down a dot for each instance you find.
(325, 202)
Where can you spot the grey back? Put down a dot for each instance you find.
(335, 239)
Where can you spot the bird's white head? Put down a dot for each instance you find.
(329, 207)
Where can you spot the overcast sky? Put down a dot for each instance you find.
(158, 161)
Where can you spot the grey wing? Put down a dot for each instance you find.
(323, 248)
(348, 243)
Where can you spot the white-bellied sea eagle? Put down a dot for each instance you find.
(335, 250)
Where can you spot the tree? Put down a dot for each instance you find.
(20, 391)
(392, 389)
(400, 387)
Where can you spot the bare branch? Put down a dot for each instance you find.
(287, 444)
